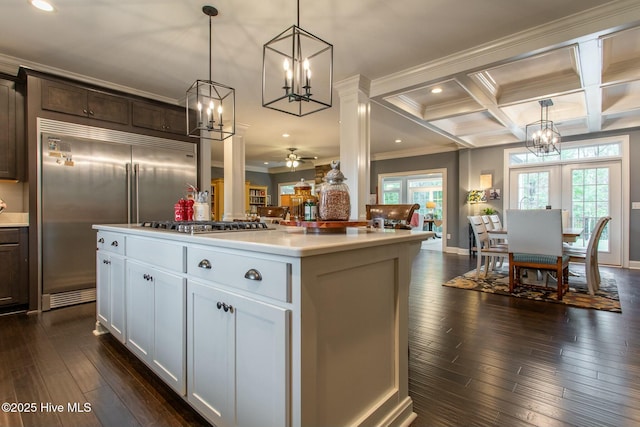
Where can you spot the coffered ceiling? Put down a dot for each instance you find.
(493, 59)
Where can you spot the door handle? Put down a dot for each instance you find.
(253, 274)
(128, 170)
(205, 263)
(136, 173)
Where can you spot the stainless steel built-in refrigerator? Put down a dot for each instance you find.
(108, 177)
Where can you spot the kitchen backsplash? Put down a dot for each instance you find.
(15, 195)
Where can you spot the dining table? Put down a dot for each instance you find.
(569, 234)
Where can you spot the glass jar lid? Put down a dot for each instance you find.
(302, 185)
(335, 175)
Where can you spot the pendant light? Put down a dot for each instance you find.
(297, 72)
(542, 137)
(211, 106)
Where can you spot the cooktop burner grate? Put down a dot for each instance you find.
(205, 226)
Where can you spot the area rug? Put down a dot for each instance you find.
(497, 282)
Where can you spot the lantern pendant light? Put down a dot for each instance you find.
(210, 105)
(297, 72)
(542, 137)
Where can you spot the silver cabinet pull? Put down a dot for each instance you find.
(101, 240)
(253, 274)
(114, 243)
(205, 263)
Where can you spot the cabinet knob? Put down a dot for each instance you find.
(114, 243)
(101, 240)
(226, 307)
(205, 263)
(91, 113)
(84, 110)
(253, 274)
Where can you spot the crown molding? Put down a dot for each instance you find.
(11, 65)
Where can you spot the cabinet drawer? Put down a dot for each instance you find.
(264, 277)
(110, 242)
(157, 252)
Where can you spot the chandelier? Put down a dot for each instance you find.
(542, 137)
(211, 105)
(297, 72)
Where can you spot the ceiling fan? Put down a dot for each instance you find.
(293, 160)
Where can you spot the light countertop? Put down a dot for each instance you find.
(14, 219)
(281, 240)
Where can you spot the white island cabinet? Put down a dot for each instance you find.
(110, 280)
(275, 328)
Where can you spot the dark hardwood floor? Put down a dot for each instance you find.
(475, 360)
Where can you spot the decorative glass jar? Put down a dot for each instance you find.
(301, 192)
(334, 203)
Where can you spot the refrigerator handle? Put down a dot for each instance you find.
(128, 171)
(136, 174)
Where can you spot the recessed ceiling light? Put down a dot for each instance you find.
(266, 163)
(285, 135)
(436, 90)
(42, 5)
(398, 141)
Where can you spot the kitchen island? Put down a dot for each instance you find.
(266, 328)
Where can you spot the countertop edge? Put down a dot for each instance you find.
(280, 242)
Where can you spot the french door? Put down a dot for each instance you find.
(586, 191)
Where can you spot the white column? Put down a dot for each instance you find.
(204, 166)
(234, 175)
(355, 153)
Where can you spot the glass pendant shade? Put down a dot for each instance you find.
(542, 137)
(211, 106)
(297, 72)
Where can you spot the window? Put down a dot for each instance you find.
(391, 191)
(601, 150)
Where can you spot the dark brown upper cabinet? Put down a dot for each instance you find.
(76, 100)
(11, 131)
(159, 117)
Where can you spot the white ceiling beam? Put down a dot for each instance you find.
(490, 104)
(460, 142)
(590, 62)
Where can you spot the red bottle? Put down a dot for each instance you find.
(189, 210)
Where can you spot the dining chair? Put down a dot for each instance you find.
(484, 248)
(535, 242)
(589, 255)
(495, 222)
(417, 221)
(398, 214)
(437, 223)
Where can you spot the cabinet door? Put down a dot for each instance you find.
(8, 166)
(147, 116)
(262, 363)
(107, 107)
(210, 350)
(103, 303)
(169, 336)
(117, 297)
(10, 268)
(239, 371)
(175, 121)
(64, 98)
(139, 310)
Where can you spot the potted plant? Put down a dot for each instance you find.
(489, 211)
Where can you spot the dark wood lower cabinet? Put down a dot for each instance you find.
(13, 267)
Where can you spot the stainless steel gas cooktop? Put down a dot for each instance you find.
(198, 227)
